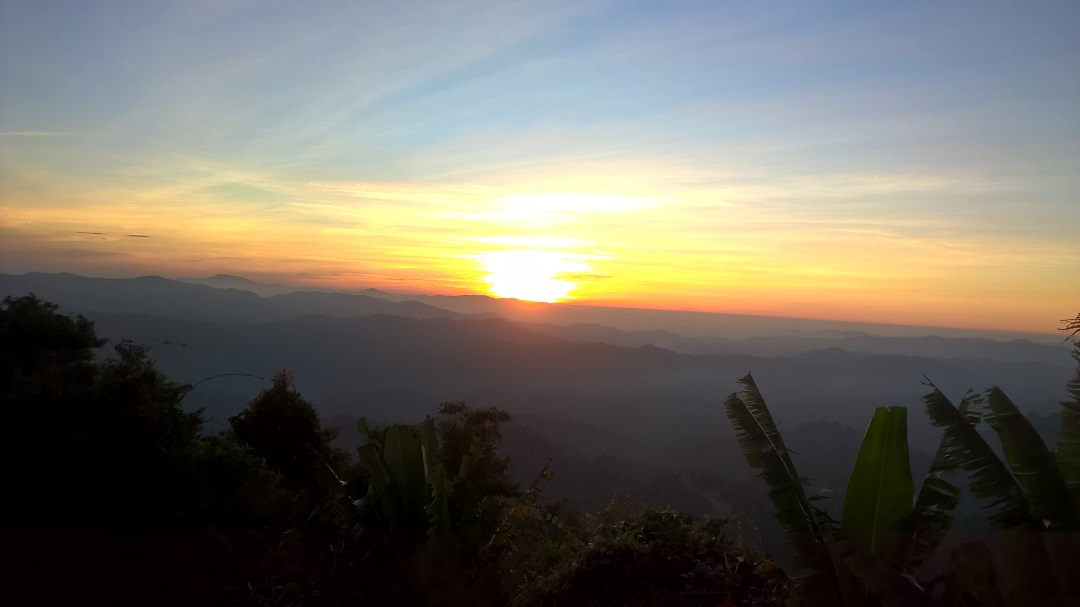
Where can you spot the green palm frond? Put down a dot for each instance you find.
(765, 451)
(1031, 463)
(989, 478)
(933, 513)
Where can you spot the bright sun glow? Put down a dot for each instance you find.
(534, 275)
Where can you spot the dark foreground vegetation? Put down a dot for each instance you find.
(112, 492)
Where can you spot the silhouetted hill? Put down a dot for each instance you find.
(691, 323)
(344, 305)
(161, 296)
(227, 281)
(686, 332)
(398, 368)
(262, 289)
(1017, 350)
(143, 295)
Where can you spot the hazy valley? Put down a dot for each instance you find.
(617, 410)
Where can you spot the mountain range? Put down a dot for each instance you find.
(621, 408)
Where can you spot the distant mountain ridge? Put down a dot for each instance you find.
(229, 302)
(398, 368)
(689, 323)
(1018, 350)
(228, 281)
(407, 354)
(657, 394)
(684, 323)
(155, 295)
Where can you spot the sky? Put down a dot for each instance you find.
(901, 162)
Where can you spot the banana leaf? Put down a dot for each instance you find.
(811, 539)
(1062, 547)
(429, 445)
(932, 515)
(988, 477)
(880, 490)
(378, 482)
(403, 457)
(1068, 445)
(1051, 564)
(438, 506)
(1031, 463)
(362, 428)
(438, 509)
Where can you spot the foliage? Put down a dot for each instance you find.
(630, 555)
(1028, 499)
(1067, 452)
(883, 540)
(42, 350)
(126, 448)
(443, 475)
(880, 492)
(989, 478)
(468, 443)
(284, 429)
(106, 446)
(236, 487)
(932, 516)
(436, 492)
(808, 529)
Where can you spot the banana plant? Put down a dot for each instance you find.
(884, 533)
(1027, 496)
(808, 529)
(880, 491)
(1032, 498)
(409, 488)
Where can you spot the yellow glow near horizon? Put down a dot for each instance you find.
(696, 249)
(533, 275)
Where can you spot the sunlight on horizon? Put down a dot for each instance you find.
(532, 275)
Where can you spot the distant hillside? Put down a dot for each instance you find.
(161, 296)
(613, 408)
(933, 346)
(695, 324)
(232, 301)
(227, 281)
(683, 323)
(392, 367)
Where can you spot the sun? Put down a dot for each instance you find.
(534, 275)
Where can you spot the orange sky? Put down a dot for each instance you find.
(663, 252)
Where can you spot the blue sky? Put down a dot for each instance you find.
(831, 157)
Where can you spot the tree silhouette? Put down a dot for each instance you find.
(41, 349)
(284, 428)
(87, 445)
